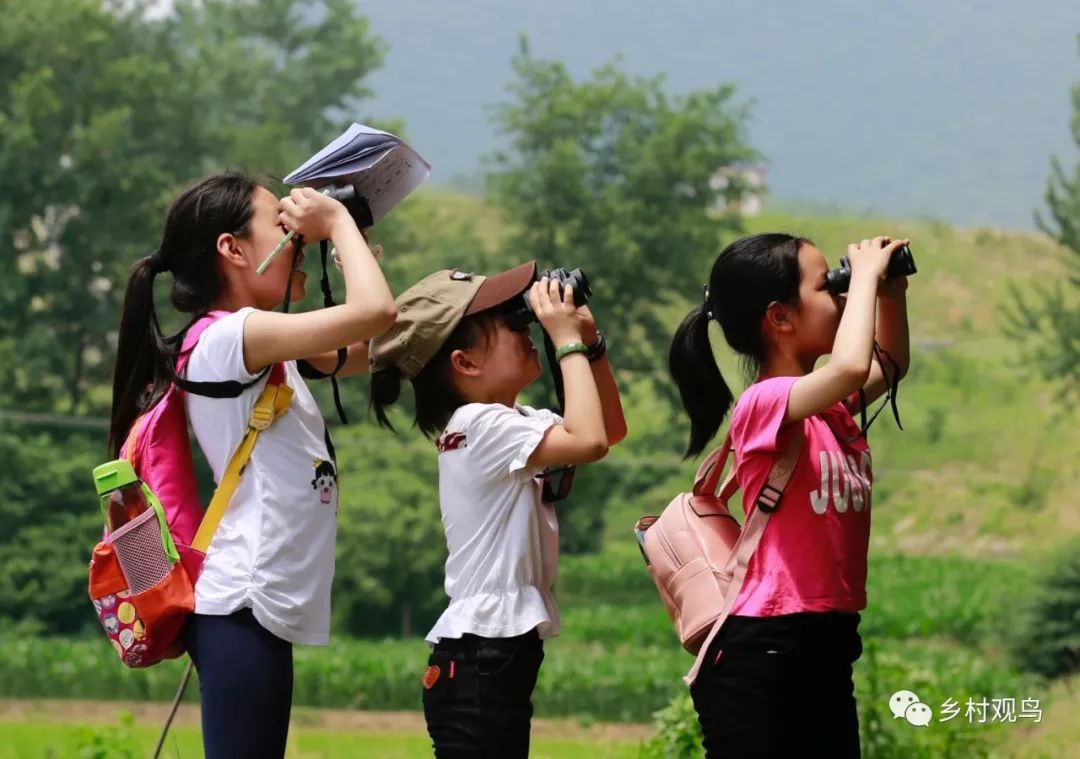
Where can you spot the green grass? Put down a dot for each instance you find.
(49, 741)
(617, 659)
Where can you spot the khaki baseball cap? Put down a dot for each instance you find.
(430, 310)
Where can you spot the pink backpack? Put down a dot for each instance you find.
(696, 551)
(142, 576)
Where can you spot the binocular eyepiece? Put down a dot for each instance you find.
(519, 313)
(901, 264)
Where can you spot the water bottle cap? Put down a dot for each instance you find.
(113, 475)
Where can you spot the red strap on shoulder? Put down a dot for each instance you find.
(277, 375)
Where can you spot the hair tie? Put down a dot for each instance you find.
(705, 303)
(157, 262)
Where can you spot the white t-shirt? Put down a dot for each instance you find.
(274, 549)
(503, 540)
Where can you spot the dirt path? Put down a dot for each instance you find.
(345, 720)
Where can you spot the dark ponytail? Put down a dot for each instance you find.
(705, 395)
(435, 395)
(747, 276)
(385, 391)
(216, 205)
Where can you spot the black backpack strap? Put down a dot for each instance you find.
(225, 389)
(330, 446)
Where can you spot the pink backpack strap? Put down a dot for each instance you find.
(191, 337)
(193, 334)
(708, 474)
(196, 330)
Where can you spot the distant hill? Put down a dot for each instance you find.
(916, 109)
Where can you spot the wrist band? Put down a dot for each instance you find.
(598, 349)
(569, 349)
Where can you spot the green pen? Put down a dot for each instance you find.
(274, 253)
(340, 194)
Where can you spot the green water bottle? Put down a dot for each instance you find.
(120, 492)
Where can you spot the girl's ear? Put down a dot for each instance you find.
(228, 247)
(462, 363)
(778, 317)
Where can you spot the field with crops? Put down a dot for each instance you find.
(932, 627)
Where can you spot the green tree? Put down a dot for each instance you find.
(615, 175)
(51, 520)
(1049, 323)
(104, 113)
(1045, 634)
(390, 549)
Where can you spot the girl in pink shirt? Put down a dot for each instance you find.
(777, 679)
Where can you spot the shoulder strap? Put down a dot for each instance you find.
(223, 389)
(708, 474)
(272, 403)
(752, 530)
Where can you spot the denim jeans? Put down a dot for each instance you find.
(478, 696)
(780, 687)
(246, 683)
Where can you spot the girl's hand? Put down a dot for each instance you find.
(558, 316)
(588, 325)
(312, 214)
(870, 258)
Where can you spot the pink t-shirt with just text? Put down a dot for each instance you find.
(812, 556)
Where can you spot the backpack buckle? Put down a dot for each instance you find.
(261, 418)
(769, 500)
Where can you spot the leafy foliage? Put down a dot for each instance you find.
(1050, 321)
(1046, 632)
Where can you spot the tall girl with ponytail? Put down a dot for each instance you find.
(776, 680)
(265, 584)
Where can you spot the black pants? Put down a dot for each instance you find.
(478, 696)
(781, 688)
(246, 680)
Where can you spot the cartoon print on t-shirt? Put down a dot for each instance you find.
(451, 441)
(325, 480)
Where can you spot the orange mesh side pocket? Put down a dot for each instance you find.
(160, 613)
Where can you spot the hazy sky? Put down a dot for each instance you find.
(949, 109)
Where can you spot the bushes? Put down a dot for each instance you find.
(678, 732)
(1046, 633)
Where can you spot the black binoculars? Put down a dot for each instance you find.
(355, 203)
(901, 264)
(519, 313)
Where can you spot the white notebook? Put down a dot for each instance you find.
(382, 167)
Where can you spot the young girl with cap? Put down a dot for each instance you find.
(467, 367)
(775, 680)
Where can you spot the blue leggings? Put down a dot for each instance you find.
(246, 681)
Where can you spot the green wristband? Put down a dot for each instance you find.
(570, 348)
